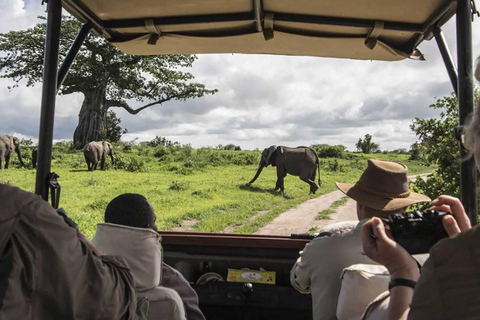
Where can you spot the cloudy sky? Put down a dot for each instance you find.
(262, 100)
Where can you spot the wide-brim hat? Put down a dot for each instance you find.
(383, 186)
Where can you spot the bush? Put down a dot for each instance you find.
(178, 185)
(131, 164)
(327, 151)
(160, 152)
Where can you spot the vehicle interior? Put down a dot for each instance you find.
(384, 30)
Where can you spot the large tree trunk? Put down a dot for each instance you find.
(92, 119)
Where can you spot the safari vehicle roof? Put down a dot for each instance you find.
(386, 30)
(358, 29)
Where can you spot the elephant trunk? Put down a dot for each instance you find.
(260, 168)
(19, 153)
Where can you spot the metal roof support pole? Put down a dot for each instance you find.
(72, 53)
(447, 57)
(49, 92)
(468, 172)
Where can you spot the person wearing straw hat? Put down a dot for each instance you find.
(381, 190)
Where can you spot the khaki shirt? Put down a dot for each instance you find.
(320, 265)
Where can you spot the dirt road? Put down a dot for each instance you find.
(302, 218)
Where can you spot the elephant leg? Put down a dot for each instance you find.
(7, 160)
(2, 156)
(313, 185)
(102, 163)
(311, 182)
(281, 174)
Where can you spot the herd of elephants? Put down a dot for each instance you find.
(300, 161)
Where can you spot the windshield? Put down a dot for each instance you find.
(193, 158)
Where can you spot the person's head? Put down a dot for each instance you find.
(131, 209)
(381, 190)
(472, 131)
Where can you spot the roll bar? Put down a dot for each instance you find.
(462, 82)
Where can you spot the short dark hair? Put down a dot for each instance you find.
(129, 209)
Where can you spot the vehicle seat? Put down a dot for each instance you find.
(142, 249)
(360, 285)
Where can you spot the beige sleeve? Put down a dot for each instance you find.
(300, 275)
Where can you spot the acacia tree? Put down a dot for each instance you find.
(367, 145)
(106, 77)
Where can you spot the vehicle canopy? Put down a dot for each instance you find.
(387, 30)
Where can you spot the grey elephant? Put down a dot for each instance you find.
(301, 161)
(8, 145)
(96, 151)
(34, 157)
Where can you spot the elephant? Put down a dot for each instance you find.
(34, 158)
(8, 145)
(97, 151)
(300, 161)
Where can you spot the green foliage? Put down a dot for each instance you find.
(367, 145)
(128, 163)
(327, 151)
(161, 142)
(416, 152)
(113, 132)
(179, 185)
(26, 142)
(438, 145)
(228, 147)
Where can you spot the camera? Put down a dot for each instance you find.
(417, 231)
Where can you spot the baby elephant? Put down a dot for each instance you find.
(96, 151)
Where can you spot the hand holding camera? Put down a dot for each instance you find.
(417, 231)
(378, 243)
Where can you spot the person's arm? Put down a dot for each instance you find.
(379, 247)
(88, 243)
(300, 275)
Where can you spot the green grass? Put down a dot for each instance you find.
(325, 214)
(213, 193)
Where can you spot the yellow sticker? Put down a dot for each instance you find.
(253, 276)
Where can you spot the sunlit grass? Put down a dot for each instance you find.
(217, 197)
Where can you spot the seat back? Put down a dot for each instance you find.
(378, 308)
(165, 303)
(360, 285)
(142, 249)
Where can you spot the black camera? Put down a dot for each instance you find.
(417, 231)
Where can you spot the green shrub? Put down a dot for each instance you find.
(179, 185)
(131, 164)
(327, 151)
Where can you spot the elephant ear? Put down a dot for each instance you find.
(270, 151)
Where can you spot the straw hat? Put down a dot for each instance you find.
(383, 186)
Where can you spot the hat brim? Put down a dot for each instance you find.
(377, 202)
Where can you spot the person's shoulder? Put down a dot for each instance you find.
(334, 239)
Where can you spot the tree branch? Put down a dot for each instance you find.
(124, 105)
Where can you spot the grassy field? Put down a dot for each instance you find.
(205, 186)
